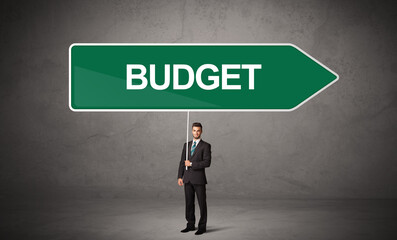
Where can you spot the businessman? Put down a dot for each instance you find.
(194, 179)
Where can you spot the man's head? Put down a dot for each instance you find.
(197, 129)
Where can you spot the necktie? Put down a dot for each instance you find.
(193, 147)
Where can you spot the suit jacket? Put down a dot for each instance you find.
(200, 159)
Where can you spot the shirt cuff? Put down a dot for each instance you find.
(191, 163)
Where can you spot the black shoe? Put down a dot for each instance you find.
(187, 229)
(200, 231)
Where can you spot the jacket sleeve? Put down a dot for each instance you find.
(182, 162)
(206, 159)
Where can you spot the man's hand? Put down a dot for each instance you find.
(187, 163)
(180, 182)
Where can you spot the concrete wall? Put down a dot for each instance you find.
(340, 144)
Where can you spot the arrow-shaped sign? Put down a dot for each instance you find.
(199, 77)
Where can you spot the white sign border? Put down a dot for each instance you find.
(195, 110)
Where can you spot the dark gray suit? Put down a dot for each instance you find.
(200, 159)
(194, 180)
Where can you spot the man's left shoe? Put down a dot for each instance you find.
(200, 231)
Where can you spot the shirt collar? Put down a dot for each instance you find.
(197, 141)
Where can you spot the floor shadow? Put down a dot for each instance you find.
(216, 229)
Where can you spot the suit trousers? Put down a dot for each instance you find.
(200, 191)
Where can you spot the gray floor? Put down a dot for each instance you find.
(95, 219)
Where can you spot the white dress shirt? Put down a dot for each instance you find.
(197, 142)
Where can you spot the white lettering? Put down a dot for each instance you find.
(131, 77)
(226, 76)
(189, 70)
(140, 76)
(251, 68)
(215, 79)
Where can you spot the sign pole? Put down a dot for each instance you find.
(187, 136)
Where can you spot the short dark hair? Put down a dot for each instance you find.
(197, 124)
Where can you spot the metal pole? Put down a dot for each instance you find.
(187, 136)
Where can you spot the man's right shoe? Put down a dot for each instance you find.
(200, 231)
(187, 229)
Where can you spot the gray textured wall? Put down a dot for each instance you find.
(340, 144)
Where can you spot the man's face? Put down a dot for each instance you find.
(196, 132)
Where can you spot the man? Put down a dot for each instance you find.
(194, 179)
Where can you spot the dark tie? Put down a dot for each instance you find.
(193, 148)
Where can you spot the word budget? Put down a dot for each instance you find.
(136, 76)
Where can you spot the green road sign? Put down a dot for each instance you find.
(197, 77)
